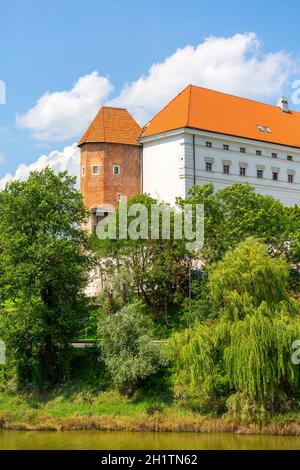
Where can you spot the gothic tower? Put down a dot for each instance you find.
(110, 161)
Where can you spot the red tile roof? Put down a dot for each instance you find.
(112, 125)
(209, 110)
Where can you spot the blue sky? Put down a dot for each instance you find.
(49, 46)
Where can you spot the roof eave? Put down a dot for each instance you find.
(106, 142)
(219, 133)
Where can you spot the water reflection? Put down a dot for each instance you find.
(97, 440)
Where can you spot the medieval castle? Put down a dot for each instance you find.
(201, 136)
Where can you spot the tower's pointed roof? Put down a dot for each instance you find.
(112, 125)
(209, 110)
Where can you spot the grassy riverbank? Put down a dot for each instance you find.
(65, 410)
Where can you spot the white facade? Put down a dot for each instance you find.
(175, 160)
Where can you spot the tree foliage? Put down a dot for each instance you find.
(248, 348)
(154, 270)
(43, 271)
(128, 347)
(247, 277)
(236, 213)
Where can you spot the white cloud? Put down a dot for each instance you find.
(63, 115)
(234, 65)
(66, 160)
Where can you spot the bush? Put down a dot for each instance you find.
(128, 348)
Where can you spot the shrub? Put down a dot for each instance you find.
(128, 348)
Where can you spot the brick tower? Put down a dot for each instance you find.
(110, 161)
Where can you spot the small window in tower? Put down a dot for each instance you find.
(96, 169)
(116, 170)
(83, 171)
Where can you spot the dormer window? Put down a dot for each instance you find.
(263, 128)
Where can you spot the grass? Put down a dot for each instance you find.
(87, 402)
(65, 409)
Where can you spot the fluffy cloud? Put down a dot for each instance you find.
(234, 65)
(67, 160)
(63, 115)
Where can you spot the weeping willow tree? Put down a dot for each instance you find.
(257, 361)
(192, 352)
(249, 347)
(245, 278)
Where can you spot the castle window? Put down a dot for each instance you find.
(242, 150)
(290, 157)
(258, 152)
(242, 171)
(208, 144)
(275, 175)
(83, 171)
(208, 166)
(226, 169)
(225, 147)
(96, 169)
(274, 155)
(259, 173)
(290, 178)
(116, 170)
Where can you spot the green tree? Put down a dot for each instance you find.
(247, 277)
(236, 213)
(128, 347)
(244, 356)
(43, 271)
(154, 270)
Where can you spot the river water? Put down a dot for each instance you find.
(101, 440)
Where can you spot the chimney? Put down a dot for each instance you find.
(283, 104)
